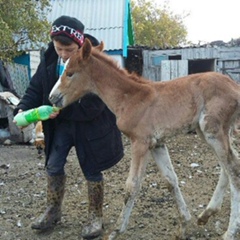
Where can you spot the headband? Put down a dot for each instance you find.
(72, 33)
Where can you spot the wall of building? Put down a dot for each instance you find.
(171, 63)
(34, 61)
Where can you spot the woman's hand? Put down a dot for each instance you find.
(14, 121)
(54, 115)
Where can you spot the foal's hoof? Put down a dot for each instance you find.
(181, 238)
(204, 216)
(226, 236)
(202, 221)
(111, 235)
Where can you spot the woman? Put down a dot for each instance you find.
(87, 124)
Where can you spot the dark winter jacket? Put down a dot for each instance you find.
(99, 121)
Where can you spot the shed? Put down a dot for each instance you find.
(163, 65)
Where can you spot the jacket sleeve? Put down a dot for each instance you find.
(33, 96)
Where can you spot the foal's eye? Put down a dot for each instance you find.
(69, 74)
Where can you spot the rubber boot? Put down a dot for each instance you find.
(55, 193)
(94, 226)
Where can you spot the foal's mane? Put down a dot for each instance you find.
(113, 63)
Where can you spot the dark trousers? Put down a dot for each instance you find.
(68, 134)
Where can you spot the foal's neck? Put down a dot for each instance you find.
(117, 88)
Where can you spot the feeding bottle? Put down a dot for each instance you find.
(33, 115)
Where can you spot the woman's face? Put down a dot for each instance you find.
(65, 51)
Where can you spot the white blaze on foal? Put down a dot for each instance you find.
(54, 89)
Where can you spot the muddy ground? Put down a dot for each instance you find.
(154, 216)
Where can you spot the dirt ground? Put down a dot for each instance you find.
(154, 216)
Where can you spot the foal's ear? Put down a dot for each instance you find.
(100, 47)
(86, 49)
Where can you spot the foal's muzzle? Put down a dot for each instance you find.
(56, 100)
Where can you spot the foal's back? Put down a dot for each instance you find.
(178, 105)
(208, 83)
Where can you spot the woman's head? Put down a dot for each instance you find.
(68, 27)
(67, 34)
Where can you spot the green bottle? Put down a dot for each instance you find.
(33, 115)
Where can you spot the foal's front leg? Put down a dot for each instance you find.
(162, 158)
(140, 155)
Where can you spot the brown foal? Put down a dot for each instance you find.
(148, 112)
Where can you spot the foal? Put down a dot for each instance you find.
(148, 112)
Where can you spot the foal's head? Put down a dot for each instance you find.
(75, 80)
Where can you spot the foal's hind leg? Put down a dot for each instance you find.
(163, 161)
(231, 169)
(216, 201)
(232, 165)
(140, 155)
